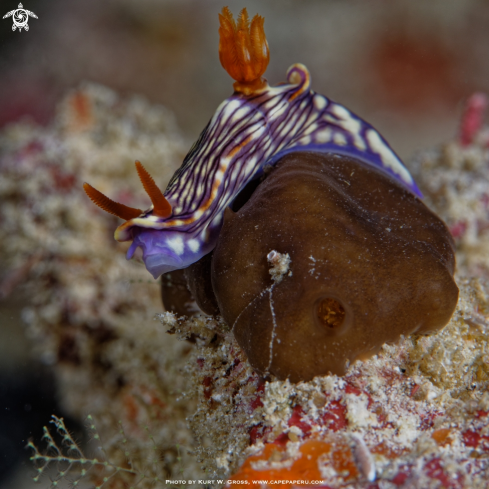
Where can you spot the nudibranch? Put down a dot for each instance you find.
(250, 131)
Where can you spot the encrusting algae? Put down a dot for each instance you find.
(85, 304)
(416, 413)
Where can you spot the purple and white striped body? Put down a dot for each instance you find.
(245, 134)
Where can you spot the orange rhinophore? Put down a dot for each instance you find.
(243, 50)
(161, 206)
(108, 205)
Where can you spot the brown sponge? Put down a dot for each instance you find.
(368, 262)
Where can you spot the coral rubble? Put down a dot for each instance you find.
(414, 415)
(455, 180)
(90, 312)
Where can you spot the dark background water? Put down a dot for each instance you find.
(405, 66)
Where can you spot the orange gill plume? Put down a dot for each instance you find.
(161, 207)
(243, 50)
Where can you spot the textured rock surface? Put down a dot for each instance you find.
(455, 180)
(89, 312)
(415, 415)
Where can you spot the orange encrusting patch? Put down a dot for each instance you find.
(108, 205)
(161, 206)
(389, 452)
(243, 50)
(306, 467)
(442, 437)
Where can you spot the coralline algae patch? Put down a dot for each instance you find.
(229, 392)
(416, 415)
(454, 179)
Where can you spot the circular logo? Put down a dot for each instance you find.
(20, 18)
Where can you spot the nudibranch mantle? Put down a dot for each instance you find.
(246, 133)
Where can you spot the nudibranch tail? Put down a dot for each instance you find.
(161, 206)
(243, 50)
(108, 205)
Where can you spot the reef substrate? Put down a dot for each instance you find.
(88, 311)
(415, 415)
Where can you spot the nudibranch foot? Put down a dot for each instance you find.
(178, 250)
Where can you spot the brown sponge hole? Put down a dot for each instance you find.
(331, 313)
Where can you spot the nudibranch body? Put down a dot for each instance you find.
(253, 128)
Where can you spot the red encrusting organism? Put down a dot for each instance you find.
(473, 118)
